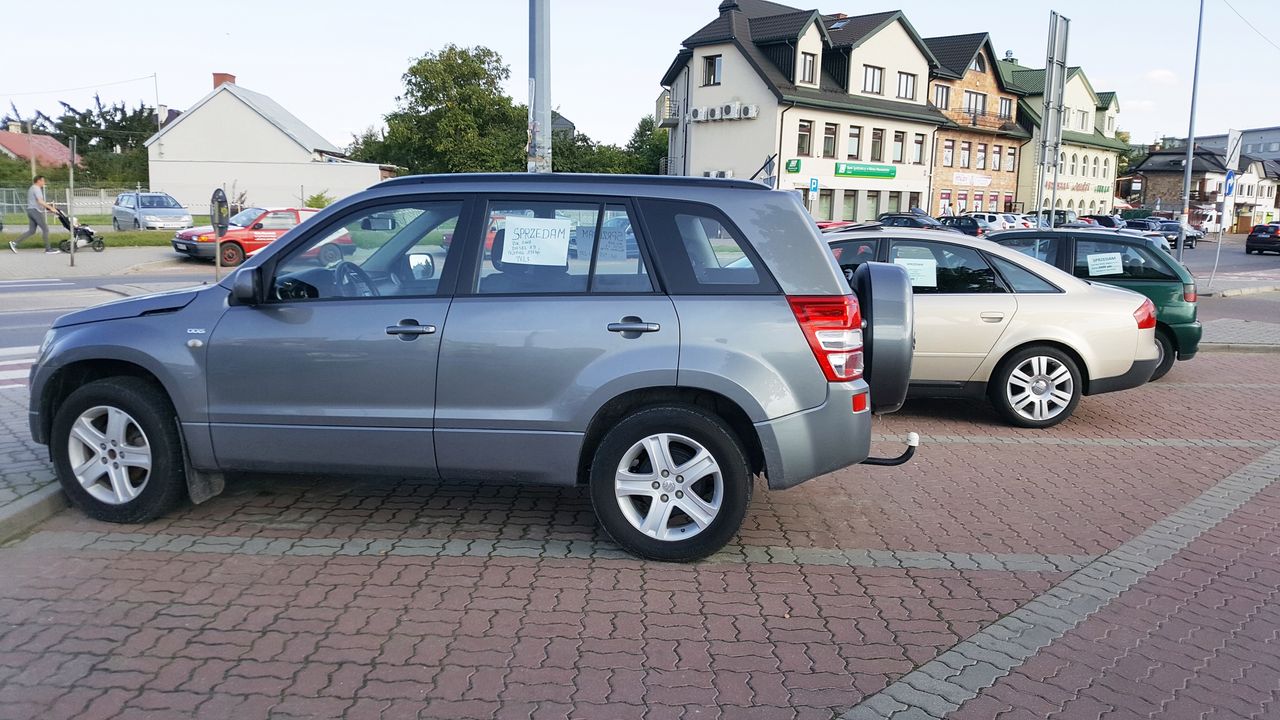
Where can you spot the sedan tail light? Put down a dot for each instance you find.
(1189, 292)
(833, 326)
(1145, 315)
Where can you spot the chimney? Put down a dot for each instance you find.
(839, 16)
(220, 79)
(15, 126)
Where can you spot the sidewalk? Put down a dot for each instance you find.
(27, 264)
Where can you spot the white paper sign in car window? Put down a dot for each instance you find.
(536, 241)
(923, 272)
(613, 244)
(1105, 264)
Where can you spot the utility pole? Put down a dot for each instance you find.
(71, 198)
(1191, 142)
(31, 144)
(539, 86)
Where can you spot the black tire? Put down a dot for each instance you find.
(153, 415)
(1168, 353)
(65, 246)
(886, 301)
(232, 254)
(137, 225)
(115, 224)
(99, 246)
(330, 255)
(996, 387)
(695, 424)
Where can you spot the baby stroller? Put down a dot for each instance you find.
(84, 235)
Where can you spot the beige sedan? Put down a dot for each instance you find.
(992, 322)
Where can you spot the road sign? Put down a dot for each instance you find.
(813, 185)
(1229, 188)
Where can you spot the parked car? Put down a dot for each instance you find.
(992, 322)
(995, 221)
(1263, 238)
(148, 211)
(1171, 230)
(1107, 221)
(1131, 262)
(644, 382)
(1015, 221)
(254, 228)
(967, 224)
(911, 220)
(1060, 217)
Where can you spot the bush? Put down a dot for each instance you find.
(319, 200)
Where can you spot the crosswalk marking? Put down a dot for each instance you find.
(15, 366)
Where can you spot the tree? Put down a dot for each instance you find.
(454, 117)
(110, 139)
(577, 153)
(647, 147)
(1128, 158)
(368, 146)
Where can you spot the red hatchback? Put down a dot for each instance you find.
(251, 230)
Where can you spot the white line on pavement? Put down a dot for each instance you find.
(30, 280)
(31, 285)
(19, 361)
(28, 350)
(14, 374)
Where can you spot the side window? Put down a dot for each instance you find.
(850, 254)
(1021, 279)
(389, 250)
(537, 247)
(619, 268)
(279, 220)
(701, 253)
(942, 268)
(1109, 260)
(1044, 249)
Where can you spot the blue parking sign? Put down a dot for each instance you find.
(813, 185)
(1229, 188)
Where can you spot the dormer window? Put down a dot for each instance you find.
(809, 68)
(978, 64)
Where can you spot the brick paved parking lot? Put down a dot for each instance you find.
(1124, 564)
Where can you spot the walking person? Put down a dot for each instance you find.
(36, 207)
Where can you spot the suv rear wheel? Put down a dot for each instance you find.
(670, 483)
(116, 451)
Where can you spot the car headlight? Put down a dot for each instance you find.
(151, 218)
(44, 344)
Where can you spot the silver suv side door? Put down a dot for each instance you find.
(551, 320)
(336, 370)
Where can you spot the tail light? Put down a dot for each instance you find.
(833, 326)
(1145, 314)
(1189, 292)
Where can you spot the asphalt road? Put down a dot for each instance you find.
(1263, 307)
(1231, 260)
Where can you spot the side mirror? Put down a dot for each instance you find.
(246, 286)
(422, 265)
(257, 226)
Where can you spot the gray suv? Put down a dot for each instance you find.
(664, 366)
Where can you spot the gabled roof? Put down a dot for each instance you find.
(775, 28)
(1029, 117)
(1105, 99)
(955, 53)
(48, 150)
(756, 8)
(854, 30)
(270, 110)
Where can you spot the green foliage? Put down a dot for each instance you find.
(647, 147)
(577, 153)
(321, 199)
(109, 141)
(1128, 158)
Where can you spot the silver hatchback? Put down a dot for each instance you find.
(701, 335)
(149, 211)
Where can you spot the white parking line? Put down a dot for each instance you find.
(14, 374)
(35, 285)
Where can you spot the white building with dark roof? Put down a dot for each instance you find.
(244, 141)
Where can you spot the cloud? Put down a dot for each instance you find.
(1161, 76)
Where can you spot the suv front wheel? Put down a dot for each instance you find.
(670, 483)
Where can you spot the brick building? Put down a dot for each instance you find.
(976, 156)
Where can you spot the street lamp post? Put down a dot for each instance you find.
(1191, 141)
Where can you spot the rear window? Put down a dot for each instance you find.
(701, 253)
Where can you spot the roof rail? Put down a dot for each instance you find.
(585, 178)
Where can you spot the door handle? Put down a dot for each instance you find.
(633, 325)
(408, 329)
(992, 317)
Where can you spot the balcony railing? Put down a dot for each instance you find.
(1203, 196)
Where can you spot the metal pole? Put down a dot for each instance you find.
(539, 86)
(156, 82)
(71, 194)
(1191, 141)
(31, 145)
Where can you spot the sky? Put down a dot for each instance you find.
(338, 65)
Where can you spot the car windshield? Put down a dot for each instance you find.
(157, 201)
(246, 216)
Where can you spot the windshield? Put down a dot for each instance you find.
(157, 201)
(245, 216)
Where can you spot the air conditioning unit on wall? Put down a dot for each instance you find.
(750, 111)
(697, 114)
(731, 111)
(713, 112)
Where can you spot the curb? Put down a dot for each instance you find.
(1233, 292)
(30, 510)
(121, 290)
(1238, 347)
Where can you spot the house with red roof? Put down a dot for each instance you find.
(49, 152)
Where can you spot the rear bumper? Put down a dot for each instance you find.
(1139, 374)
(814, 442)
(1271, 244)
(1187, 336)
(191, 248)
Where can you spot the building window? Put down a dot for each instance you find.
(873, 203)
(829, 133)
(804, 140)
(899, 147)
(1106, 167)
(1111, 125)
(949, 153)
(996, 158)
(964, 154)
(711, 66)
(917, 150)
(944, 202)
(978, 64)
(850, 201)
(872, 80)
(914, 201)
(1084, 166)
(855, 143)
(1073, 164)
(942, 96)
(1006, 109)
(1095, 166)
(877, 145)
(1273, 147)
(1083, 115)
(906, 86)
(826, 203)
(1011, 159)
(962, 201)
(975, 103)
(982, 156)
(808, 65)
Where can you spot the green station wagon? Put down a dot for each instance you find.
(1128, 261)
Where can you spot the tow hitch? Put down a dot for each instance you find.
(913, 441)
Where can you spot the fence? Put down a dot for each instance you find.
(88, 201)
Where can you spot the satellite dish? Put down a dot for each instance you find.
(219, 212)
